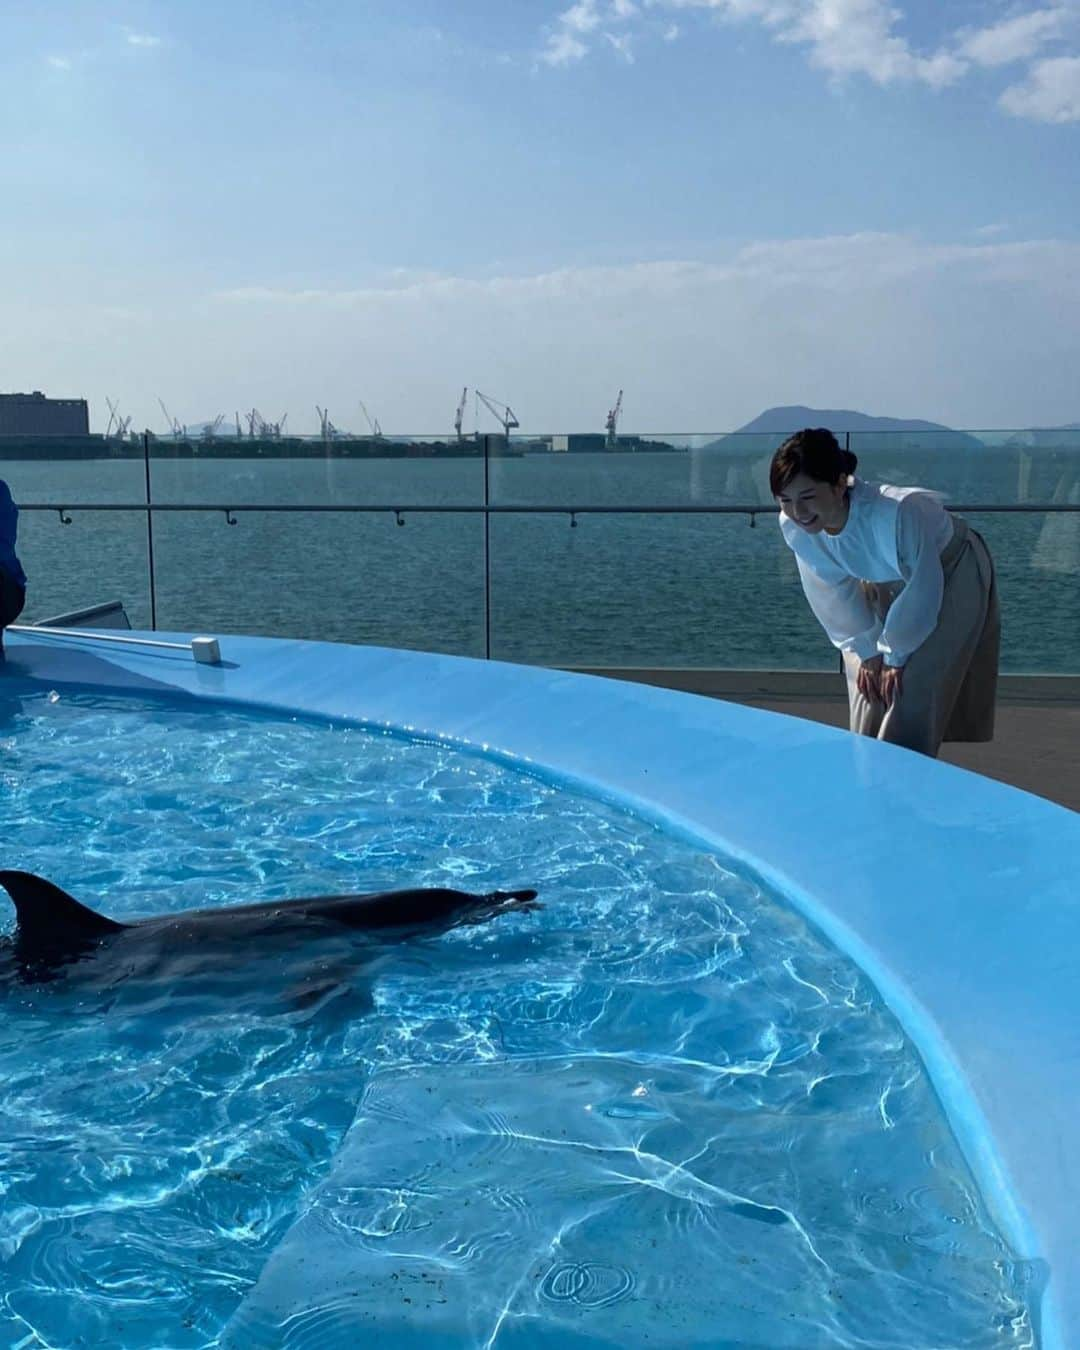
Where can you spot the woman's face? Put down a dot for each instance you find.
(814, 506)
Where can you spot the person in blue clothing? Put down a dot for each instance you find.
(12, 577)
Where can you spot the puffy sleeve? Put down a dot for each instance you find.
(838, 602)
(913, 615)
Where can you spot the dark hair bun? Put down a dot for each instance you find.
(814, 451)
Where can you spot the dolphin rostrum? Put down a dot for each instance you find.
(54, 929)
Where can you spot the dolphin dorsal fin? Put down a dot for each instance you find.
(50, 916)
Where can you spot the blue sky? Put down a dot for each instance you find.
(717, 204)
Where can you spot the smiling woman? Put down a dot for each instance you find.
(906, 592)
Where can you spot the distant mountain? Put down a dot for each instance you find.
(794, 418)
(868, 432)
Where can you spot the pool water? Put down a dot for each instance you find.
(661, 1110)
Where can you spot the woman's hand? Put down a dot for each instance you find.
(891, 684)
(868, 680)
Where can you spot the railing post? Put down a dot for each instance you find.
(149, 531)
(847, 446)
(487, 548)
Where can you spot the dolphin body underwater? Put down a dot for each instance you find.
(54, 931)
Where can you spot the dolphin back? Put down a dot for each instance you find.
(433, 908)
(54, 929)
(49, 918)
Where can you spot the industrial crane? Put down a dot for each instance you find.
(326, 427)
(376, 430)
(502, 412)
(611, 422)
(175, 429)
(120, 430)
(460, 414)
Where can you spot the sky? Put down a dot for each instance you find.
(715, 205)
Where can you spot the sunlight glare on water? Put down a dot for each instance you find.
(661, 1110)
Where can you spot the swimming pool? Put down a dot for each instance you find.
(656, 1058)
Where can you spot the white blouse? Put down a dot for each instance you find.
(892, 534)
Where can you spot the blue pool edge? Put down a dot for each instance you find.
(956, 895)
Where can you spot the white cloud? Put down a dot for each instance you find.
(849, 263)
(879, 321)
(1015, 39)
(1051, 93)
(845, 37)
(582, 17)
(587, 19)
(695, 342)
(565, 44)
(96, 55)
(861, 38)
(563, 49)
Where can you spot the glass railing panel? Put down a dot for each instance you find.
(1037, 560)
(674, 590)
(707, 592)
(647, 470)
(332, 576)
(101, 556)
(312, 471)
(649, 590)
(83, 469)
(995, 468)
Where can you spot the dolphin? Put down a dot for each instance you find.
(54, 930)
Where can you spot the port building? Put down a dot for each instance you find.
(35, 415)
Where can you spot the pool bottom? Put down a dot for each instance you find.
(658, 1250)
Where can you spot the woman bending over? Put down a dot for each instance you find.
(904, 590)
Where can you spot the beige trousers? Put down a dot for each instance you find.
(950, 682)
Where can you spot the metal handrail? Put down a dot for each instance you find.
(441, 508)
(205, 650)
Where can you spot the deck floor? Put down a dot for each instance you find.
(1035, 747)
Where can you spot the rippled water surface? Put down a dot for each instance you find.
(659, 1111)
